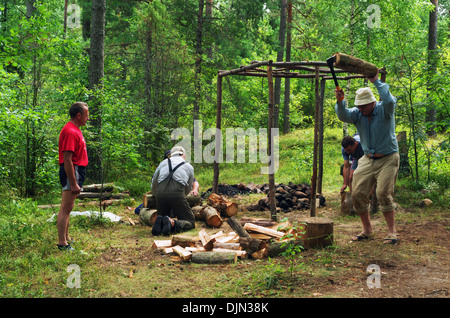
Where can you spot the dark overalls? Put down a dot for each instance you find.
(170, 195)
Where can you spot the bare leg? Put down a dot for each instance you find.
(390, 220)
(62, 221)
(367, 226)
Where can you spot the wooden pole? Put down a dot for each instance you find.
(215, 187)
(273, 212)
(321, 128)
(316, 139)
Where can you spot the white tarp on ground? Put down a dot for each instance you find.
(107, 215)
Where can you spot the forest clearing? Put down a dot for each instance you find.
(273, 112)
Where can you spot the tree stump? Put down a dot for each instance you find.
(318, 232)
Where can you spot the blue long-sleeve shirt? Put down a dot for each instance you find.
(378, 135)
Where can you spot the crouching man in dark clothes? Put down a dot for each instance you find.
(172, 181)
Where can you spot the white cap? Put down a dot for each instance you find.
(178, 150)
(364, 96)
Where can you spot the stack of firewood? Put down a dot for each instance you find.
(251, 238)
(287, 198)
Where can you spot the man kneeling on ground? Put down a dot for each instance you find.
(172, 181)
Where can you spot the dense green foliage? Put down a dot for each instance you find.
(161, 61)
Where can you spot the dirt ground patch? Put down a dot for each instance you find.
(417, 267)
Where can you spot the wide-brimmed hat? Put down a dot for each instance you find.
(364, 96)
(177, 150)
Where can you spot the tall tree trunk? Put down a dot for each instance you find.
(31, 140)
(287, 81)
(198, 59)
(96, 73)
(280, 54)
(432, 61)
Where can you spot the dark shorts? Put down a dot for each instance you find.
(80, 174)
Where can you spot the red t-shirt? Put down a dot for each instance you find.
(71, 139)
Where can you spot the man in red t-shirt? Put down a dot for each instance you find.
(73, 160)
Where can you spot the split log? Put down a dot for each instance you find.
(263, 230)
(224, 206)
(353, 64)
(230, 238)
(207, 242)
(318, 232)
(251, 244)
(229, 246)
(184, 241)
(184, 254)
(148, 216)
(212, 217)
(161, 244)
(237, 227)
(260, 222)
(214, 257)
(260, 254)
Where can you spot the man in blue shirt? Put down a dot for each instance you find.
(375, 122)
(351, 152)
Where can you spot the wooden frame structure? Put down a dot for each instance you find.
(320, 73)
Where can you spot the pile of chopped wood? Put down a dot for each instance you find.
(287, 197)
(251, 238)
(229, 190)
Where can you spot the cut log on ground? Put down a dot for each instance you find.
(106, 187)
(198, 212)
(318, 232)
(148, 216)
(184, 241)
(252, 245)
(225, 207)
(212, 217)
(277, 247)
(229, 246)
(260, 222)
(104, 195)
(214, 257)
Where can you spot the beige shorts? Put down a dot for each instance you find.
(382, 171)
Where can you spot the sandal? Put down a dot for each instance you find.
(361, 236)
(391, 239)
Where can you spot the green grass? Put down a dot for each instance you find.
(116, 259)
